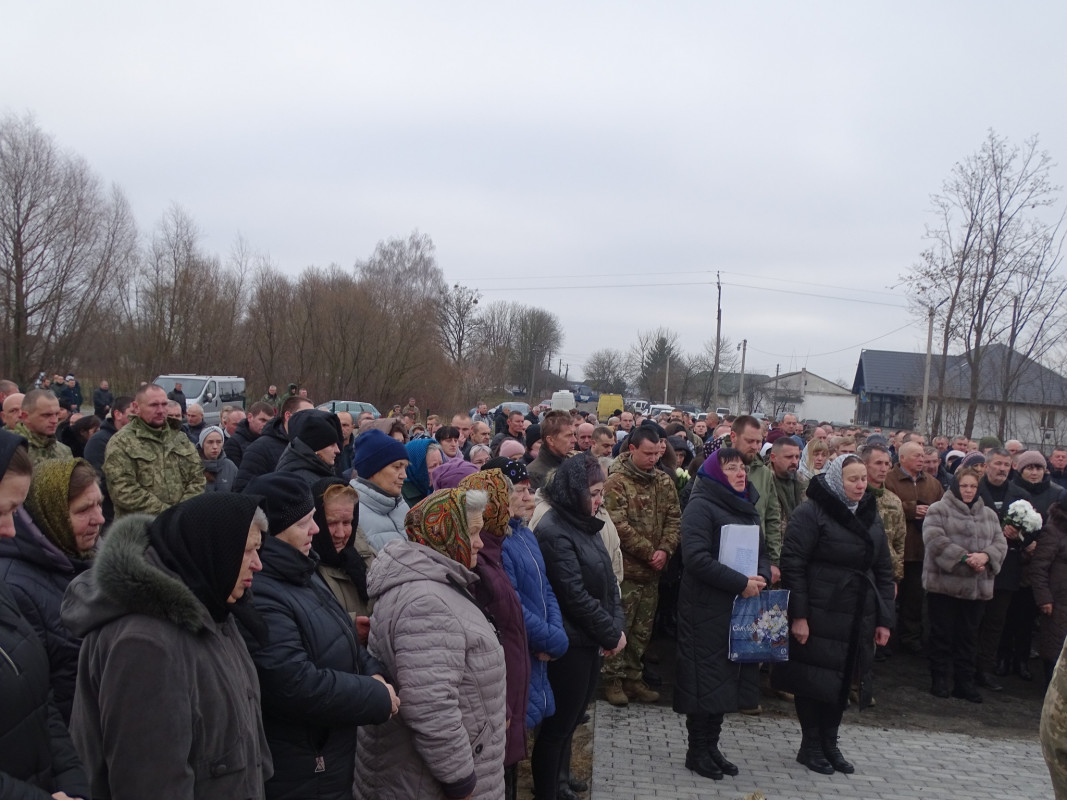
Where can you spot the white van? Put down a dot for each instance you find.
(210, 392)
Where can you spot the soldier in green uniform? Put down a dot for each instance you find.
(40, 417)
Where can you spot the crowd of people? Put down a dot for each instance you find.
(297, 603)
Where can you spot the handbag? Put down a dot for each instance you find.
(759, 628)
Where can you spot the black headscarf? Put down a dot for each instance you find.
(568, 490)
(955, 489)
(203, 541)
(9, 442)
(322, 543)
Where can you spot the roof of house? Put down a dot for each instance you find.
(816, 383)
(896, 373)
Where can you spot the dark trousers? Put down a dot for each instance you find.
(573, 679)
(953, 644)
(704, 730)
(996, 612)
(910, 601)
(815, 715)
(1017, 639)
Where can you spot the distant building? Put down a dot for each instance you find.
(889, 386)
(805, 394)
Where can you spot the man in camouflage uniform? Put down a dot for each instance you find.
(643, 503)
(39, 420)
(1054, 729)
(150, 465)
(788, 485)
(890, 509)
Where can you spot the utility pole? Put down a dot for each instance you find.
(718, 344)
(666, 378)
(743, 347)
(774, 400)
(926, 377)
(567, 374)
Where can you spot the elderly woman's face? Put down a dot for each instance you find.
(300, 533)
(735, 474)
(339, 513)
(522, 501)
(433, 461)
(450, 446)
(968, 488)
(250, 564)
(86, 517)
(596, 493)
(479, 458)
(474, 532)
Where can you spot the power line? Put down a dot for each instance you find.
(831, 352)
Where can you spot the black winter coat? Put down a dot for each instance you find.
(261, 457)
(235, 445)
(36, 572)
(579, 568)
(300, 460)
(706, 681)
(837, 568)
(315, 678)
(37, 757)
(1010, 576)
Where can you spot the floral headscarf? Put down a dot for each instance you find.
(440, 522)
(498, 511)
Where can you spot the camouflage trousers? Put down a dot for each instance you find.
(1054, 728)
(639, 607)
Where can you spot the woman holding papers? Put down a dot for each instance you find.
(835, 563)
(706, 681)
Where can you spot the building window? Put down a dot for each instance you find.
(1048, 418)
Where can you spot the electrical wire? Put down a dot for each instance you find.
(831, 352)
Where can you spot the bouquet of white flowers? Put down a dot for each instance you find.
(1023, 516)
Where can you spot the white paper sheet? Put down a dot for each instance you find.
(739, 548)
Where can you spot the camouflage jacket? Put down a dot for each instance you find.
(790, 492)
(43, 448)
(891, 510)
(149, 470)
(644, 508)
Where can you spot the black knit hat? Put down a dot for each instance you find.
(315, 428)
(287, 499)
(8, 444)
(514, 470)
(533, 434)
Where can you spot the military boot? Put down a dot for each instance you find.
(639, 692)
(614, 694)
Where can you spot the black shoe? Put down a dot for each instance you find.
(986, 681)
(967, 692)
(563, 792)
(939, 688)
(727, 767)
(1003, 667)
(577, 785)
(584, 719)
(702, 764)
(1025, 673)
(811, 755)
(833, 754)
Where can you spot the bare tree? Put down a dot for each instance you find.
(605, 370)
(649, 357)
(537, 335)
(458, 326)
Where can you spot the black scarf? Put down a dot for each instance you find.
(347, 558)
(203, 541)
(955, 489)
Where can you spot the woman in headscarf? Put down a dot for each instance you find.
(580, 571)
(813, 459)
(319, 683)
(417, 485)
(56, 531)
(836, 565)
(344, 555)
(707, 683)
(219, 471)
(449, 474)
(497, 596)
(964, 548)
(167, 697)
(434, 638)
(37, 758)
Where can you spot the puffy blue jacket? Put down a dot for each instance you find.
(544, 624)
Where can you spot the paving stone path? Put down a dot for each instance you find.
(639, 752)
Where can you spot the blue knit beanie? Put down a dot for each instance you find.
(374, 451)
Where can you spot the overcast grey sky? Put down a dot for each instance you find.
(547, 148)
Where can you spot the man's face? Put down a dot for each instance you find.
(626, 421)
(196, 415)
(347, 425)
(177, 387)
(152, 408)
(700, 428)
(820, 433)
(105, 385)
(677, 416)
(997, 469)
(463, 423)
(1014, 447)
(1059, 459)
(789, 424)
(483, 409)
(232, 421)
(960, 443)
(972, 445)
(941, 443)
(515, 425)
(878, 466)
(12, 410)
(646, 455)
(411, 401)
(748, 442)
(174, 411)
(563, 442)
(931, 463)
(272, 390)
(602, 446)
(257, 421)
(479, 433)
(585, 437)
(120, 418)
(911, 458)
(786, 461)
(44, 418)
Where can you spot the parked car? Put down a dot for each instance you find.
(640, 407)
(353, 407)
(607, 405)
(210, 392)
(584, 394)
(722, 412)
(656, 410)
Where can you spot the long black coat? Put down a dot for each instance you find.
(261, 457)
(37, 757)
(837, 568)
(1011, 571)
(315, 678)
(706, 681)
(36, 572)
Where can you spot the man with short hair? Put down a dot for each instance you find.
(39, 419)
(959, 443)
(626, 421)
(933, 467)
(346, 457)
(195, 424)
(584, 437)
(643, 503)
(790, 425)
(96, 448)
(12, 410)
(820, 433)
(272, 399)
(462, 422)
(878, 462)
(917, 491)
(362, 417)
(746, 435)
(150, 465)
(7, 388)
(70, 396)
(557, 442)
(247, 431)
(233, 419)
(103, 400)
(174, 411)
(178, 396)
(789, 487)
(1014, 447)
(517, 431)
(603, 441)
(941, 443)
(481, 414)
(412, 410)
(1057, 464)
(998, 493)
(479, 433)
(261, 457)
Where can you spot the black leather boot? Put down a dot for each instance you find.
(727, 767)
(833, 753)
(939, 687)
(698, 757)
(811, 754)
